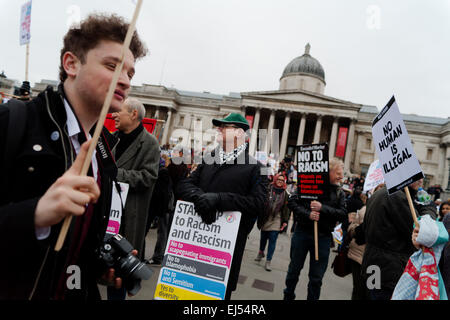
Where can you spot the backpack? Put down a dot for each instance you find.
(15, 132)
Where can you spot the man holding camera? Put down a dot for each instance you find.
(45, 185)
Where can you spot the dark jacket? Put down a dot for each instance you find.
(162, 195)
(444, 263)
(241, 187)
(138, 166)
(387, 227)
(34, 172)
(333, 210)
(269, 215)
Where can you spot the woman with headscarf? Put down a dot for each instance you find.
(275, 219)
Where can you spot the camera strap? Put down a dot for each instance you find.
(118, 200)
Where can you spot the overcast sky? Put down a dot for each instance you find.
(369, 50)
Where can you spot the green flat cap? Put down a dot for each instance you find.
(233, 118)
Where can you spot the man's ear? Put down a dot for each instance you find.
(71, 64)
(134, 114)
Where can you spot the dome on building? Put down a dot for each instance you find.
(305, 64)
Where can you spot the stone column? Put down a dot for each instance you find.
(333, 139)
(349, 147)
(269, 132)
(447, 169)
(254, 137)
(359, 142)
(301, 130)
(165, 136)
(301, 133)
(318, 129)
(156, 113)
(441, 166)
(285, 135)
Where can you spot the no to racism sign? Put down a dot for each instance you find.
(198, 256)
(312, 175)
(394, 149)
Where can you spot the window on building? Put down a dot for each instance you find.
(429, 153)
(369, 143)
(181, 122)
(364, 170)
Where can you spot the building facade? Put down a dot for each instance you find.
(297, 113)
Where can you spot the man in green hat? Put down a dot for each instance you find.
(232, 138)
(232, 182)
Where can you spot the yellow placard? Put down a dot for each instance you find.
(167, 292)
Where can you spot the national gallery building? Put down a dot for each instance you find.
(301, 113)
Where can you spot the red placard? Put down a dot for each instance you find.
(149, 124)
(250, 120)
(341, 142)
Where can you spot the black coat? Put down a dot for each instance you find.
(388, 226)
(333, 210)
(241, 187)
(444, 263)
(33, 173)
(159, 204)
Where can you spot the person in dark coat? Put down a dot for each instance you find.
(162, 207)
(137, 156)
(387, 229)
(231, 182)
(327, 210)
(46, 186)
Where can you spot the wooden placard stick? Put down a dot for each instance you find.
(411, 206)
(316, 241)
(101, 120)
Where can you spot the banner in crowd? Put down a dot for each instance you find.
(312, 170)
(374, 176)
(198, 256)
(250, 119)
(25, 23)
(261, 156)
(341, 142)
(394, 149)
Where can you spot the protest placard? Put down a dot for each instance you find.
(312, 170)
(312, 177)
(394, 149)
(198, 256)
(374, 176)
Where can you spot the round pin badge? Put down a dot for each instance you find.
(54, 136)
(37, 147)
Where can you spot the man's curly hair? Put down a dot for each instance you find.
(95, 28)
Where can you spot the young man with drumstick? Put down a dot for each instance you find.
(46, 185)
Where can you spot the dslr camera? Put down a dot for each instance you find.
(116, 253)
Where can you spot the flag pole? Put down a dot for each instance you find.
(103, 113)
(27, 59)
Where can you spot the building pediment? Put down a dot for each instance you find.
(299, 97)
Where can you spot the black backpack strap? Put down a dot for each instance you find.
(16, 130)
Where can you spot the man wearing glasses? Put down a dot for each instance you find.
(229, 179)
